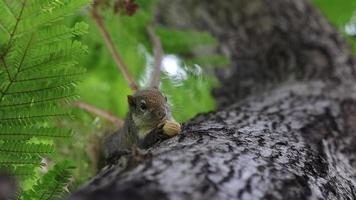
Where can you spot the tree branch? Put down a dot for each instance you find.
(110, 45)
(102, 113)
(158, 54)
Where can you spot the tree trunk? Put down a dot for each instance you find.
(286, 126)
(269, 42)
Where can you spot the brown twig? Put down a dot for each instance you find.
(110, 45)
(105, 114)
(158, 53)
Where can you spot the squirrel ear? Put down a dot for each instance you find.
(130, 100)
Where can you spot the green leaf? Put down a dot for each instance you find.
(51, 185)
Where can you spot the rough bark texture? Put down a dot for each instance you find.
(294, 140)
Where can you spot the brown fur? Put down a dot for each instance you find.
(138, 123)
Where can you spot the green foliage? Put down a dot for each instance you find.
(131, 39)
(342, 14)
(338, 12)
(52, 184)
(37, 79)
(105, 87)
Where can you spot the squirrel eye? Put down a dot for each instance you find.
(143, 106)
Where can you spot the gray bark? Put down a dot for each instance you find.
(286, 126)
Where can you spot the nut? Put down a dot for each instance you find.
(171, 128)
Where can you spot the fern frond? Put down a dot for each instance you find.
(39, 13)
(60, 32)
(26, 133)
(21, 171)
(33, 120)
(25, 148)
(5, 22)
(40, 102)
(11, 13)
(52, 184)
(14, 159)
(38, 75)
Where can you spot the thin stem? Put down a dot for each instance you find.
(158, 53)
(105, 114)
(110, 45)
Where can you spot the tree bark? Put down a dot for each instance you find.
(286, 125)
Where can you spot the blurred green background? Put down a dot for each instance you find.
(342, 14)
(187, 79)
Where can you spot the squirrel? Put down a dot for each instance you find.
(149, 120)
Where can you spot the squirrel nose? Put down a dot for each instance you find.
(161, 114)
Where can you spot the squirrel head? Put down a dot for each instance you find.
(148, 108)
